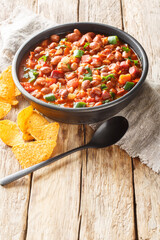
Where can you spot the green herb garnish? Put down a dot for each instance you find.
(87, 75)
(135, 61)
(79, 105)
(113, 39)
(78, 53)
(86, 45)
(26, 75)
(126, 49)
(99, 68)
(61, 46)
(32, 74)
(69, 67)
(106, 78)
(112, 94)
(88, 78)
(106, 101)
(103, 87)
(63, 39)
(49, 97)
(89, 70)
(60, 85)
(44, 57)
(25, 69)
(128, 86)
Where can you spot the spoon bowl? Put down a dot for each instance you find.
(108, 133)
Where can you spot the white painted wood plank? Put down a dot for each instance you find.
(107, 192)
(103, 11)
(59, 11)
(147, 194)
(107, 195)
(7, 6)
(15, 196)
(55, 195)
(141, 19)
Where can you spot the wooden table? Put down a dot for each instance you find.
(94, 194)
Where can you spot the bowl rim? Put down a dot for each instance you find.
(145, 66)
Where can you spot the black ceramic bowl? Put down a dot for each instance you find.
(81, 115)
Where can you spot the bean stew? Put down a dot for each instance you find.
(80, 70)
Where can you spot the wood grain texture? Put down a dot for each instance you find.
(143, 24)
(141, 20)
(103, 11)
(7, 6)
(106, 199)
(88, 195)
(59, 11)
(14, 197)
(55, 196)
(107, 193)
(147, 193)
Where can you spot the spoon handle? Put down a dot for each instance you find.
(24, 172)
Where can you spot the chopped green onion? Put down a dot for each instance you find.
(113, 39)
(49, 97)
(60, 85)
(128, 86)
(89, 70)
(26, 75)
(32, 74)
(55, 104)
(86, 45)
(99, 68)
(25, 69)
(44, 57)
(106, 101)
(78, 53)
(103, 87)
(112, 95)
(79, 105)
(87, 75)
(88, 78)
(126, 49)
(63, 39)
(61, 46)
(135, 61)
(106, 78)
(69, 67)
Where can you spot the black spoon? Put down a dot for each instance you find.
(108, 133)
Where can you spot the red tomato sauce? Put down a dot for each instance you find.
(80, 70)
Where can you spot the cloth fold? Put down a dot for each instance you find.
(143, 113)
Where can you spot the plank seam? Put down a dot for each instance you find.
(133, 185)
(84, 130)
(134, 203)
(79, 228)
(30, 187)
(78, 2)
(80, 190)
(121, 8)
(36, 4)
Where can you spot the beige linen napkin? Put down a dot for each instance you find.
(143, 113)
